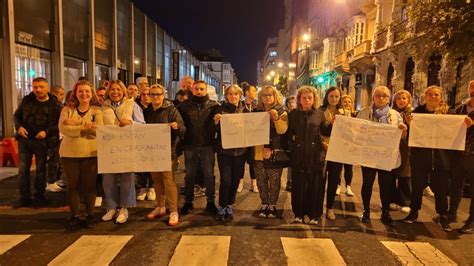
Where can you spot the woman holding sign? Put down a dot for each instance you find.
(118, 110)
(331, 107)
(433, 163)
(78, 151)
(162, 111)
(307, 156)
(379, 112)
(271, 159)
(231, 162)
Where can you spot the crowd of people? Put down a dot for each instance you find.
(299, 136)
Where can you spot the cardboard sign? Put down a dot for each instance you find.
(245, 130)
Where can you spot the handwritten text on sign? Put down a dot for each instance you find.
(438, 131)
(135, 148)
(245, 130)
(361, 142)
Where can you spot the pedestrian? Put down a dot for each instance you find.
(331, 107)
(36, 124)
(162, 111)
(118, 110)
(401, 193)
(464, 166)
(77, 124)
(346, 101)
(141, 83)
(198, 113)
(305, 125)
(430, 162)
(291, 105)
(53, 169)
(133, 92)
(231, 162)
(250, 104)
(379, 111)
(268, 170)
(101, 94)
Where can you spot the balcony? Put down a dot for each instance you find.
(381, 40)
(400, 31)
(340, 59)
(362, 49)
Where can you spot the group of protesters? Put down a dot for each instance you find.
(299, 136)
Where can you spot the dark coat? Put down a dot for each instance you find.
(227, 108)
(469, 150)
(26, 110)
(436, 159)
(305, 130)
(167, 113)
(198, 115)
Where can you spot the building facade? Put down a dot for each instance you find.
(101, 40)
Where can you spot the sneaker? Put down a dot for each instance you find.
(220, 215)
(141, 194)
(468, 227)
(428, 192)
(89, 222)
(338, 190)
(394, 207)
(74, 222)
(443, 222)
(174, 219)
(263, 211)
(330, 214)
(61, 183)
(411, 218)
(211, 207)
(254, 186)
(53, 187)
(229, 213)
(405, 209)
(365, 218)
(109, 215)
(241, 186)
(150, 194)
(271, 212)
(98, 201)
(157, 212)
(386, 218)
(298, 220)
(187, 208)
(313, 222)
(349, 191)
(122, 216)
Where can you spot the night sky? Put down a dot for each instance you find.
(238, 28)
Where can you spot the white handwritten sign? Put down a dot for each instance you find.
(438, 131)
(245, 130)
(135, 148)
(362, 142)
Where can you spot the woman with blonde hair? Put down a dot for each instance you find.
(347, 103)
(306, 124)
(432, 163)
(379, 111)
(118, 110)
(78, 150)
(268, 169)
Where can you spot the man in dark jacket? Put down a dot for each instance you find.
(198, 113)
(36, 123)
(464, 167)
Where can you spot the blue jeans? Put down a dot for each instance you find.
(206, 156)
(114, 198)
(231, 169)
(26, 149)
(144, 180)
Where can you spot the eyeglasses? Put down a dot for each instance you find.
(378, 96)
(156, 94)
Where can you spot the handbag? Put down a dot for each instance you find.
(278, 159)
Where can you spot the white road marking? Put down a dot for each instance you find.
(9, 241)
(417, 253)
(201, 250)
(311, 251)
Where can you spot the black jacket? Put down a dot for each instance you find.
(436, 159)
(305, 131)
(277, 141)
(227, 108)
(198, 115)
(167, 113)
(26, 110)
(469, 150)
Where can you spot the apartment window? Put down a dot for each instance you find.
(272, 53)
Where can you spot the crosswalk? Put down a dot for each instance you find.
(215, 250)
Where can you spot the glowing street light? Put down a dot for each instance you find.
(272, 73)
(280, 65)
(306, 37)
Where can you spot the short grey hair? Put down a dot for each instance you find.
(383, 89)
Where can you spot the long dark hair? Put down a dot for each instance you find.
(326, 98)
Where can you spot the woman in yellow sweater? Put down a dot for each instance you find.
(78, 151)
